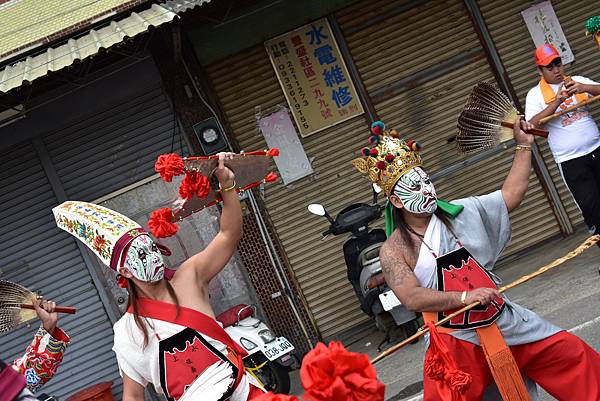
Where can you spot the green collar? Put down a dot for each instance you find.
(449, 209)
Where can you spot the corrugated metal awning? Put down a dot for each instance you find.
(57, 58)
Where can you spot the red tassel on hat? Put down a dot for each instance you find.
(160, 223)
(122, 281)
(169, 165)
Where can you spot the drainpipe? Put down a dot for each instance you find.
(539, 165)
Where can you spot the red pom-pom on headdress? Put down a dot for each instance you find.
(365, 151)
(160, 223)
(413, 145)
(169, 165)
(194, 183)
(389, 157)
(373, 152)
(377, 128)
(381, 165)
(273, 152)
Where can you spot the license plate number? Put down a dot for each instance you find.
(389, 300)
(281, 346)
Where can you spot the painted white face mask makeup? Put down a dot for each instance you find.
(416, 192)
(144, 260)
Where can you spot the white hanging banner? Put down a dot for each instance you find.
(279, 132)
(544, 27)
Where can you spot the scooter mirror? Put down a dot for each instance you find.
(316, 208)
(376, 188)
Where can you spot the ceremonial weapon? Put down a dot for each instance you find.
(487, 120)
(588, 243)
(16, 305)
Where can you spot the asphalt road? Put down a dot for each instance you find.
(568, 296)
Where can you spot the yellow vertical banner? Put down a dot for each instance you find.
(314, 77)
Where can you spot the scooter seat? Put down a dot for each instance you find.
(230, 316)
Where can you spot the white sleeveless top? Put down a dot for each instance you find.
(425, 268)
(142, 364)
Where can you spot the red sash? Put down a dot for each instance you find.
(197, 321)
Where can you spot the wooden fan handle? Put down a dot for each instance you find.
(534, 131)
(569, 109)
(59, 309)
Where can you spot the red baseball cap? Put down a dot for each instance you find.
(545, 54)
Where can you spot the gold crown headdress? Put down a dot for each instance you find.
(389, 158)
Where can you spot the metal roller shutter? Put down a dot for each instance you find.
(516, 47)
(112, 148)
(419, 61)
(35, 254)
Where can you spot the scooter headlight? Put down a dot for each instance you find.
(266, 335)
(249, 345)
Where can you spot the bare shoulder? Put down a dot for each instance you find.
(392, 249)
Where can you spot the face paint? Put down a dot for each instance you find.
(144, 260)
(416, 192)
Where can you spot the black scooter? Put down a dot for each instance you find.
(361, 253)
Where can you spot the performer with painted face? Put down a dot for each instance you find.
(438, 258)
(169, 336)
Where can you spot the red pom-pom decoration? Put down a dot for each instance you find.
(273, 152)
(381, 165)
(373, 152)
(271, 177)
(194, 183)
(160, 223)
(377, 127)
(389, 158)
(169, 165)
(365, 151)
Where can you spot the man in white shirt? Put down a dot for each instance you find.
(574, 137)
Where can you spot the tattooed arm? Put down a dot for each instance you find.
(403, 282)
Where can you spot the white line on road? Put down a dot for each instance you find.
(584, 325)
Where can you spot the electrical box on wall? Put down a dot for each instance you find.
(211, 138)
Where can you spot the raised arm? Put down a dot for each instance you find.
(215, 256)
(45, 353)
(402, 281)
(516, 183)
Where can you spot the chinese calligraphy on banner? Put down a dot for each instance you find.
(313, 77)
(544, 27)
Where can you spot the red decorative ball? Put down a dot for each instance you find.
(373, 152)
(169, 165)
(273, 152)
(376, 129)
(194, 183)
(160, 223)
(381, 165)
(389, 158)
(365, 151)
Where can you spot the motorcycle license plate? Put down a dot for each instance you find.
(389, 300)
(277, 348)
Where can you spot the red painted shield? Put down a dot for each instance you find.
(184, 357)
(459, 271)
